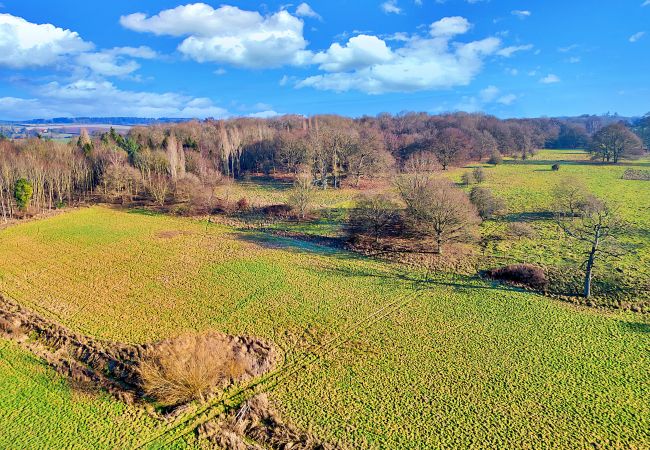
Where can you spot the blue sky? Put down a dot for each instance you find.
(174, 59)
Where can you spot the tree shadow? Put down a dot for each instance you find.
(532, 216)
(636, 327)
(574, 162)
(461, 283)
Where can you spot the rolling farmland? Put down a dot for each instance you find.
(390, 359)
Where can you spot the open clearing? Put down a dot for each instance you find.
(451, 362)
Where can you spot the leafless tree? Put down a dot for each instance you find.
(596, 227)
(439, 210)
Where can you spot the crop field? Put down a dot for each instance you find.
(391, 360)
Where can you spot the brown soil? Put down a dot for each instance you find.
(93, 365)
(112, 366)
(255, 426)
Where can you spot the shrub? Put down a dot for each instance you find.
(301, 196)
(495, 158)
(23, 191)
(486, 203)
(520, 230)
(479, 174)
(375, 215)
(641, 175)
(188, 368)
(277, 211)
(242, 205)
(467, 178)
(525, 274)
(555, 167)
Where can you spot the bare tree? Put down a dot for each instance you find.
(596, 227)
(301, 196)
(374, 214)
(571, 195)
(439, 210)
(450, 146)
(615, 142)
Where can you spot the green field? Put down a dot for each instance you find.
(526, 186)
(452, 362)
(38, 409)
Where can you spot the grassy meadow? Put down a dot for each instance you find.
(451, 361)
(39, 409)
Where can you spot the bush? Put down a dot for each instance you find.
(375, 215)
(555, 167)
(486, 203)
(640, 175)
(242, 205)
(188, 368)
(23, 191)
(277, 211)
(301, 196)
(467, 178)
(524, 274)
(520, 230)
(479, 174)
(495, 158)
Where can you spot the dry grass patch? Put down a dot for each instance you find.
(189, 368)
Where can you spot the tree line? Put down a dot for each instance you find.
(182, 161)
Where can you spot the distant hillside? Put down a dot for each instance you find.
(129, 121)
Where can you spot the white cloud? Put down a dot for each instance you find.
(636, 36)
(304, 10)
(522, 14)
(106, 64)
(390, 7)
(421, 64)
(450, 26)
(25, 44)
(509, 51)
(550, 79)
(228, 34)
(112, 62)
(265, 114)
(646, 3)
(359, 52)
(574, 60)
(489, 93)
(485, 97)
(87, 97)
(508, 99)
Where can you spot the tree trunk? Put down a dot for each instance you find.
(590, 266)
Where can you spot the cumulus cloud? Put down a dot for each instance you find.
(304, 10)
(87, 97)
(550, 79)
(26, 44)
(450, 26)
(421, 64)
(112, 62)
(228, 34)
(636, 36)
(390, 7)
(359, 52)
